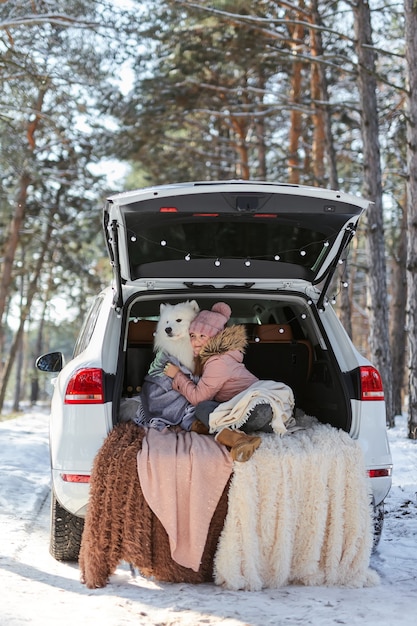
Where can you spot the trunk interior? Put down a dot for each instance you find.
(285, 343)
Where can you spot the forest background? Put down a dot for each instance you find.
(312, 92)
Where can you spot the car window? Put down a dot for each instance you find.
(88, 326)
(300, 240)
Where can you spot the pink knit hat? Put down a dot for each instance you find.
(210, 323)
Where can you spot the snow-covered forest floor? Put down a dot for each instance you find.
(36, 589)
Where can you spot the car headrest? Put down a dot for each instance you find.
(273, 332)
(141, 331)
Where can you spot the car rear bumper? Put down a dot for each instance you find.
(73, 496)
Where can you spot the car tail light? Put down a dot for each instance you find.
(371, 384)
(75, 478)
(379, 473)
(205, 215)
(85, 387)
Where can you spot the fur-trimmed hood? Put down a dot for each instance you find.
(220, 366)
(231, 338)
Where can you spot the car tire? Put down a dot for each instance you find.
(378, 520)
(65, 532)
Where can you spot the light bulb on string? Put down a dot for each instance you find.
(217, 263)
(133, 238)
(303, 252)
(326, 244)
(163, 242)
(187, 256)
(345, 284)
(277, 257)
(247, 263)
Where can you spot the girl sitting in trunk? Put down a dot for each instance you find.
(219, 353)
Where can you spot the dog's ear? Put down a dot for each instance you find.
(195, 306)
(162, 307)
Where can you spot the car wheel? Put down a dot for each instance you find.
(378, 519)
(66, 532)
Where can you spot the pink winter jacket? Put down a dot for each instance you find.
(224, 374)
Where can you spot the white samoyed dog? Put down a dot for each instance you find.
(158, 404)
(172, 331)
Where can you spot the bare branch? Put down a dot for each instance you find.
(59, 19)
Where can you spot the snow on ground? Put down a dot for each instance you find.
(36, 589)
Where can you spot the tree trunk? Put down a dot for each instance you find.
(320, 73)
(411, 57)
(11, 247)
(398, 308)
(260, 136)
(377, 280)
(345, 304)
(323, 148)
(34, 373)
(20, 350)
(241, 147)
(317, 97)
(19, 213)
(25, 310)
(297, 35)
(19, 372)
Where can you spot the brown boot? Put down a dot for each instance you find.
(199, 427)
(241, 445)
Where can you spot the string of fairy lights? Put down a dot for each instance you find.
(188, 256)
(247, 261)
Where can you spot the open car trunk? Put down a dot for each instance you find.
(269, 250)
(284, 344)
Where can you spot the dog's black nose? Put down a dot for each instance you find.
(168, 330)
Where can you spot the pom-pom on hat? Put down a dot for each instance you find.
(210, 323)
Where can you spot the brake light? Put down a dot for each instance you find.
(371, 384)
(168, 209)
(85, 387)
(75, 478)
(379, 473)
(205, 215)
(265, 215)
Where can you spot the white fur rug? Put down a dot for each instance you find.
(299, 513)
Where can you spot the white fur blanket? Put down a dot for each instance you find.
(299, 512)
(234, 413)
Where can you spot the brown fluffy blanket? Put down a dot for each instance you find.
(120, 526)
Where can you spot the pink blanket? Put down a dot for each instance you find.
(182, 476)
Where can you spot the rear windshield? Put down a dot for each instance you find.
(301, 240)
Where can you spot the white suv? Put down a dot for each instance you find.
(270, 251)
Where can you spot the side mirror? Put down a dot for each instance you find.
(51, 362)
